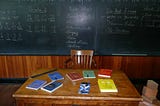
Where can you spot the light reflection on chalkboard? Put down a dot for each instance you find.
(81, 19)
(78, 18)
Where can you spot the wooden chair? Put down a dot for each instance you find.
(82, 59)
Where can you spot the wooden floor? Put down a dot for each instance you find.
(6, 91)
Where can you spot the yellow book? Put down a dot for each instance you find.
(107, 85)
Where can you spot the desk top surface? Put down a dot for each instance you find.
(69, 90)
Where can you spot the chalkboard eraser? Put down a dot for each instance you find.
(127, 54)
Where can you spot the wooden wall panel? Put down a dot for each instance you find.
(138, 67)
(155, 71)
(113, 62)
(134, 67)
(3, 69)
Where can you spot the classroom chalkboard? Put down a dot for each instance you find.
(54, 27)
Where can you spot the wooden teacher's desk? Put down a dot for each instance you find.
(68, 95)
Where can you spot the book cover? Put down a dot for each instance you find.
(52, 86)
(36, 84)
(107, 85)
(105, 73)
(74, 76)
(88, 74)
(84, 88)
(55, 76)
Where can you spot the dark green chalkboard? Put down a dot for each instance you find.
(54, 27)
(129, 27)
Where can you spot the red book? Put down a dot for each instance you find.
(74, 76)
(105, 73)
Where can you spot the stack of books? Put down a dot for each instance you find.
(48, 87)
(105, 84)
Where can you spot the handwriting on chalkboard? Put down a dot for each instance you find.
(10, 37)
(73, 41)
(107, 26)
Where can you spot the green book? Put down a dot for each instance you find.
(88, 74)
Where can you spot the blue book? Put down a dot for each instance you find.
(55, 76)
(88, 74)
(36, 84)
(52, 86)
(84, 88)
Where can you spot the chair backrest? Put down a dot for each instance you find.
(82, 58)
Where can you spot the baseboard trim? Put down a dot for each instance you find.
(13, 80)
